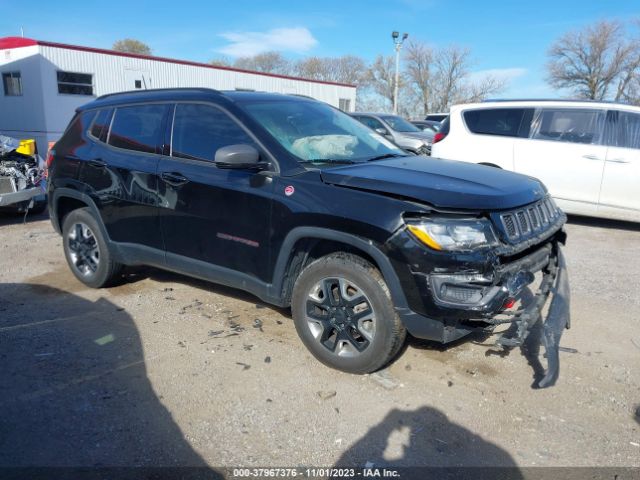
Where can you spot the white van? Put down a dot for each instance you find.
(586, 153)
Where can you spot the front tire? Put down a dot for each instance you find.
(86, 250)
(344, 314)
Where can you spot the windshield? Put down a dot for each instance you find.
(399, 124)
(319, 134)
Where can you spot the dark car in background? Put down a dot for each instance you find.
(437, 117)
(301, 205)
(427, 125)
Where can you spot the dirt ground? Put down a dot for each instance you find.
(167, 370)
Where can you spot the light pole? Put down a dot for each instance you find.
(398, 44)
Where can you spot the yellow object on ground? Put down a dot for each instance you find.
(27, 147)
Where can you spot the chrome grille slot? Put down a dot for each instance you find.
(509, 225)
(544, 217)
(533, 217)
(523, 222)
(529, 221)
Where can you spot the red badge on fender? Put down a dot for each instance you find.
(288, 191)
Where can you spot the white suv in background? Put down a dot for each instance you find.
(586, 153)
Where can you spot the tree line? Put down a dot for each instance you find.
(598, 62)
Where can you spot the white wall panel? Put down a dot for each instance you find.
(50, 111)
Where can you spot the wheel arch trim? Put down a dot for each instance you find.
(60, 193)
(360, 243)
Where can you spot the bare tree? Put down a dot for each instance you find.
(452, 68)
(346, 69)
(592, 61)
(270, 62)
(220, 62)
(130, 45)
(482, 89)
(382, 77)
(628, 88)
(419, 68)
(441, 77)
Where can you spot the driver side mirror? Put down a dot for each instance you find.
(240, 157)
(382, 131)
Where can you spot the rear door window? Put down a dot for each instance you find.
(508, 122)
(628, 130)
(569, 125)
(200, 130)
(138, 128)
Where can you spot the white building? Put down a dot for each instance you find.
(44, 82)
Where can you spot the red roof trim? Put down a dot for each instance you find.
(16, 42)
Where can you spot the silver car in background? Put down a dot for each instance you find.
(398, 130)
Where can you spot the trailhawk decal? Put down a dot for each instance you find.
(233, 238)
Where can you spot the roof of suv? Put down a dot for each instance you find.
(169, 94)
(548, 103)
(375, 114)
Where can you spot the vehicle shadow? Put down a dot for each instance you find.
(425, 437)
(12, 218)
(603, 223)
(136, 274)
(75, 393)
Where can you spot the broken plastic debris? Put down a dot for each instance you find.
(104, 340)
(327, 394)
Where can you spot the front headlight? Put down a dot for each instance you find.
(453, 234)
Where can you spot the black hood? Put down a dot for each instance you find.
(441, 183)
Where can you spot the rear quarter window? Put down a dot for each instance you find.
(506, 122)
(100, 126)
(73, 135)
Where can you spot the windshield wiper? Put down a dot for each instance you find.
(327, 160)
(386, 155)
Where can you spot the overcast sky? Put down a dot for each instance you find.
(508, 38)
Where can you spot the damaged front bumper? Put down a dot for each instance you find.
(554, 284)
(496, 291)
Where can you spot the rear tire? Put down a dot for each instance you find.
(344, 314)
(86, 250)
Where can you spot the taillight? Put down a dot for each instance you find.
(49, 159)
(439, 136)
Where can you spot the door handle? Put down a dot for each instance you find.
(617, 160)
(97, 162)
(592, 157)
(174, 179)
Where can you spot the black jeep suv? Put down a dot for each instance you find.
(298, 203)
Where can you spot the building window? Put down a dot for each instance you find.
(12, 82)
(344, 104)
(75, 83)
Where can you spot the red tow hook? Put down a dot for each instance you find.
(508, 303)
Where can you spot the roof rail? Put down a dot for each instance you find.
(155, 90)
(572, 100)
